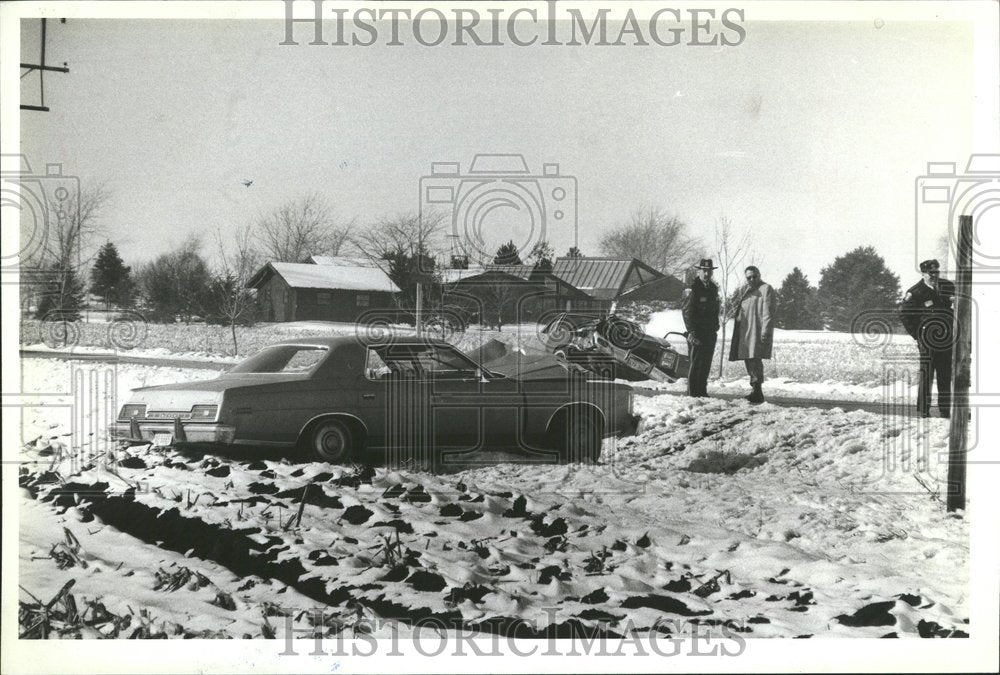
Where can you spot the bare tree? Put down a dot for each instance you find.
(654, 237)
(238, 260)
(942, 250)
(67, 239)
(498, 293)
(405, 247)
(404, 233)
(300, 228)
(67, 231)
(732, 248)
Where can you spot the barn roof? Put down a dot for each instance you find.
(604, 278)
(340, 260)
(523, 272)
(326, 277)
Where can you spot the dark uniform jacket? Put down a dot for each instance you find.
(927, 314)
(701, 309)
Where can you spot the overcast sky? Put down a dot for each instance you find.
(810, 135)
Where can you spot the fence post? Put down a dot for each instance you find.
(961, 369)
(420, 305)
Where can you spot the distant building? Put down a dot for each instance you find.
(607, 281)
(503, 294)
(340, 289)
(508, 293)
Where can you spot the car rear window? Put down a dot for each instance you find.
(290, 359)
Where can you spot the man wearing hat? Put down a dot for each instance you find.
(927, 315)
(701, 319)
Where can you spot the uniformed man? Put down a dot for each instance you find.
(701, 319)
(927, 315)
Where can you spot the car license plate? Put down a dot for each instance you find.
(637, 363)
(160, 440)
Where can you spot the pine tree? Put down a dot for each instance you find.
(856, 282)
(541, 255)
(110, 278)
(62, 295)
(797, 304)
(507, 254)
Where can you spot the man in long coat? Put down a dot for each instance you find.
(754, 330)
(701, 319)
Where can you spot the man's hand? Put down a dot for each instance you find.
(694, 341)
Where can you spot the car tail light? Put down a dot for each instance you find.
(204, 412)
(132, 410)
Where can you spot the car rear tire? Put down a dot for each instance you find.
(331, 441)
(579, 436)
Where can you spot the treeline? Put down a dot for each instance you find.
(855, 283)
(179, 284)
(206, 279)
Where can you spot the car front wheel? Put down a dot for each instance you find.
(331, 441)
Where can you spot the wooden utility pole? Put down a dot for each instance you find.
(42, 68)
(961, 369)
(420, 306)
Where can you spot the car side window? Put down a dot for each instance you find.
(417, 361)
(445, 360)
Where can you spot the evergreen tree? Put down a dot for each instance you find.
(856, 282)
(542, 254)
(62, 295)
(797, 304)
(110, 278)
(406, 271)
(178, 283)
(507, 254)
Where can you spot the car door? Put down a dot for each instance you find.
(418, 403)
(474, 408)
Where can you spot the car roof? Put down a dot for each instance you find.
(365, 340)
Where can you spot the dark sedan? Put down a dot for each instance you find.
(336, 398)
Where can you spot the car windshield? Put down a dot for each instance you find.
(289, 359)
(571, 322)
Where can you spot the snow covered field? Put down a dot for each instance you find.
(759, 521)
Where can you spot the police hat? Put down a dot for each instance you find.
(931, 265)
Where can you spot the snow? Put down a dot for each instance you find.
(800, 517)
(661, 323)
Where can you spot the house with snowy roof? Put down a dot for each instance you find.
(327, 288)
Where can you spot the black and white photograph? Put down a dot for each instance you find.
(500, 337)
